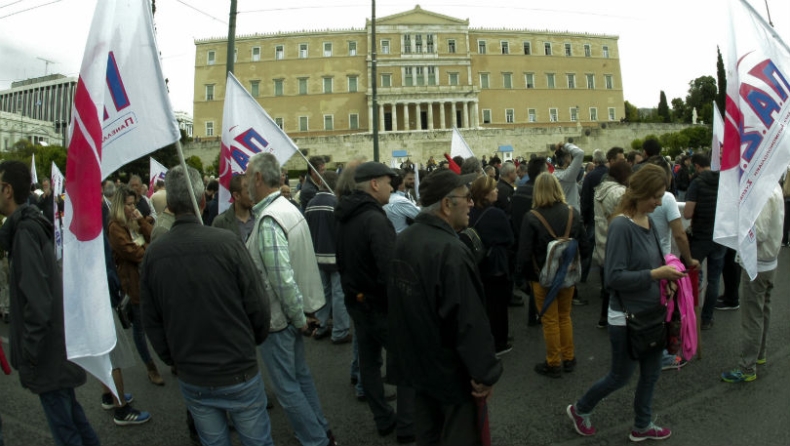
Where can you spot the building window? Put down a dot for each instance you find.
(352, 48)
(327, 85)
(408, 76)
(210, 92)
(211, 58)
(302, 85)
(532, 115)
(209, 128)
(605, 51)
(484, 80)
(507, 80)
(451, 46)
(612, 116)
(568, 50)
(353, 84)
(430, 46)
(327, 49)
(509, 115)
(574, 114)
(547, 48)
(303, 51)
(527, 48)
(590, 81)
(418, 43)
(553, 115)
(279, 52)
(280, 123)
(256, 54)
(486, 116)
(571, 81)
(609, 81)
(406, 44)
(385, 47)
(505, 47)
(303, 123)
(453, 78)
(353, 121)
(278, 87)
(529, 80)
(329, 122)
(587, 50)
(481, 46)
(431, 75)
(593, 114)
(420, 76)
(386, 80)
(550, 80)
(255, 88)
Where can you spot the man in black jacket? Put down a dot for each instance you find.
(440, 335)
(207, 318)
(37, 338)
(365, 242)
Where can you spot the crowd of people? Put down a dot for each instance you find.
(364, 256)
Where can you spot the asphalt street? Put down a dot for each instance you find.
(526, 408)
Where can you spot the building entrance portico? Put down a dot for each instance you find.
(411, 115)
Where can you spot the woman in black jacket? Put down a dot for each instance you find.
(549, 201)
(493, 226)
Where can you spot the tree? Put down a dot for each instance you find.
(196, 162)
(721, 75)
(636, 145)
(631, 113)
(702, 92)
(663, 108)
(678, 110)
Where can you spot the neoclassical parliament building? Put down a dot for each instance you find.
(433, 72)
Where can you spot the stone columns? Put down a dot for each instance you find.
(418, 115)
(382, 126)
(430, 116)
(442, 121)
(452, 115)
(466, 115)
(406, 116)
(394, 116)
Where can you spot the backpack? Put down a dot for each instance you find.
(563, 262)
(472, 240)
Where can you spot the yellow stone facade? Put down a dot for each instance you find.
(434, 72)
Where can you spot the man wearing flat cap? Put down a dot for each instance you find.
(439, 332)
(365, 240)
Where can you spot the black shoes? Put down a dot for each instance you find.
(569, 365)
(543, 368)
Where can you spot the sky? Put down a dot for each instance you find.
(663, 44)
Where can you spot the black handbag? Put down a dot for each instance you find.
(647, 330)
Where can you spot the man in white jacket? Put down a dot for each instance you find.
(756, 294)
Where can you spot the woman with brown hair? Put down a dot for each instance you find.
(129, 234)
(493, 227)
(548, 200)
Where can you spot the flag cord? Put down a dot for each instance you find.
(183, 163)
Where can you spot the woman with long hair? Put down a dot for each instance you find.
(493, 227)
(634, 266)
(129, 234)
(548, 200)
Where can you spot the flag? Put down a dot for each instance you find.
(718, 139)
(121, 112)
(56, 183)
(417, 183)
(246, 130)
(394, 163)
(459, 147)
(756, 149)
(33, 174)
(156, 172)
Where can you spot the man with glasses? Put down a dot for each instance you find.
(440, 336)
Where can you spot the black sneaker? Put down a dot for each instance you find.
(723, 305)
(543, 368)
(127, 416)
(603, 323)
(504, 350)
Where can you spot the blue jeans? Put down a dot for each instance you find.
(620, 373)
(714, 252)
(355, 368)
(335, 306)
(587, 260)
(139, 334)
(244, 402)
(66, 419)
(283, 354)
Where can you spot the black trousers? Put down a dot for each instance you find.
(498, 291)
(437, 423)
(732, 278)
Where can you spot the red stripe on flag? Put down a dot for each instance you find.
(731, 148)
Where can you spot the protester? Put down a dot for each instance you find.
(143, 203)
(36, 337)
(207, 319)
(634, 266)
(129, 234)
(159, 197)
(506, 186)
(440, 335)
(549, 203)
(238, 217)
(400, 210)
(312, 183)
(212, 202)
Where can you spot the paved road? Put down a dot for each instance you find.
(526, 408)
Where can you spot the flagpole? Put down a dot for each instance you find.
(183, 163)
(768, 10)
(323, 181)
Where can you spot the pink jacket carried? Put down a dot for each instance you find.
(685, 299)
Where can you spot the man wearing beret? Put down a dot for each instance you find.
(365, 241)
(439, 332)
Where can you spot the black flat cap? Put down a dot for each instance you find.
(372, 169)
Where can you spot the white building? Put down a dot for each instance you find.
(14, 127)
(47, 98)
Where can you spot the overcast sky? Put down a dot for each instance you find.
(663, 44)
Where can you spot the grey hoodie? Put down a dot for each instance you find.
(607, 197)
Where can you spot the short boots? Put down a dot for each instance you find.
(545, 369)
(153, 374)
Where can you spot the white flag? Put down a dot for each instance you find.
(121, 112)
(459, 147)
(718, 139)
(156, 172)
(246, 130)
(56, 183)
(756, 147)
(33, 174)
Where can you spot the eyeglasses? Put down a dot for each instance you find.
(468, 196)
